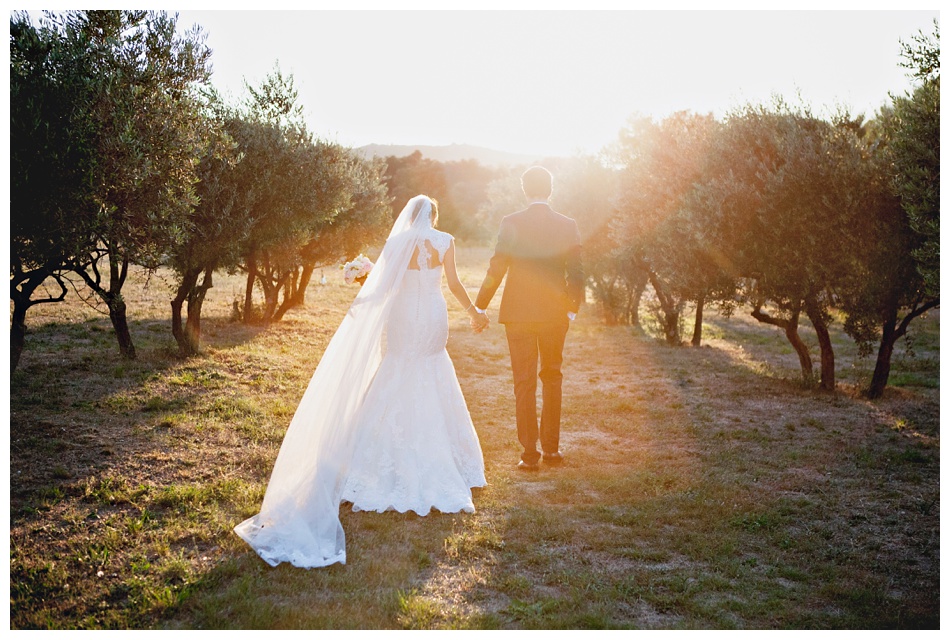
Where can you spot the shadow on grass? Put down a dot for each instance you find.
(387, 553)
(702, 488)
(77, 407)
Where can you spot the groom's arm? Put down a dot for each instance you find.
(497, 268)
(576, 280)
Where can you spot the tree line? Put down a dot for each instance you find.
(122, 153)
(772, 209)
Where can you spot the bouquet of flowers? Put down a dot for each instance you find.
(357, 269)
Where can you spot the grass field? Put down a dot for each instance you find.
(702, 488)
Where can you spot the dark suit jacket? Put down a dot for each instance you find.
(540, 250)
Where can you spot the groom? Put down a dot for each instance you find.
(540, 250)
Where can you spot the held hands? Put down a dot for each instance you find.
(479, 321)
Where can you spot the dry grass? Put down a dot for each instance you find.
(703, 488)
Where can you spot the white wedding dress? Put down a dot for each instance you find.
(418, 448)
(383, 423)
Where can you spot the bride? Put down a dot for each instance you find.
(383, 423)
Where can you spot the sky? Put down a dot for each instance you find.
(552, 82)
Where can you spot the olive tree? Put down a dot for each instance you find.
(781, 202)
(296, 192)
(662, 165)
(120, 124)
(902, 246)
(51, 155)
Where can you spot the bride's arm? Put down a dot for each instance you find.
(455, 285)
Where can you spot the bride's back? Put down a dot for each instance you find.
(418, 322)
(425, 256)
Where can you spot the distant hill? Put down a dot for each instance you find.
(449, 153)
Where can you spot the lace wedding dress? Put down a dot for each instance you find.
(418, 448)
(383, 423)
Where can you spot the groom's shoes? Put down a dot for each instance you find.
(528, 466)
(552, 458)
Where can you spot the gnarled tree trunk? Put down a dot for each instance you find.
(882, 368)
(275, 308)
(271, 292)
(120, 322)
(249, 289)
(22, 287)
(17, 330)
(790, 327)
(636, 279)
(188, 281)
(118, 271)
(634, 310)
(188, 334)
(892, 332)
(819, 321)
(306, 274)
(195, 301)
(112, 297)
(671, 311)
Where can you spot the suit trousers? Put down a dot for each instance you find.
(527, 341)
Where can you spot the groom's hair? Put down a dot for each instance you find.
(537, 182)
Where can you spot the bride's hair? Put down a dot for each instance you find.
(434, 214)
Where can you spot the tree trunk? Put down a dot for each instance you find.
(882, 368)
(188, 281)
(892, 332)
(605, 291)
(672, 328)
(275, 308)
(634, 311)
(290, 289)
(284, 307)
(671, 312)
(22, 287)
(118, 270)
(270, 298)
(195, 301)
(249, 289)
(310, 254)
(177, 330)
(117, 313)
(305, 275)
(817, 317)
(635, 280)
(290, 295)
(610, 318)
(790, 327)
(804, 358)
(17, 330)
(698, 323)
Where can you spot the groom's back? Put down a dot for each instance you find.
(540, 250)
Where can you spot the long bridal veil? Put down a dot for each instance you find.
(299, 519)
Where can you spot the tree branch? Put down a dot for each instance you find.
(902, 328)
(765, 318)
(63, 291)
